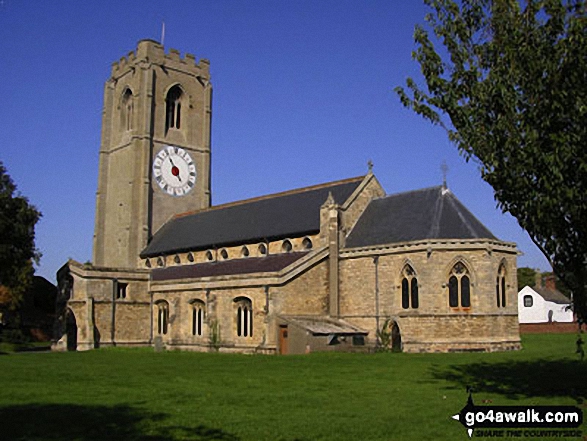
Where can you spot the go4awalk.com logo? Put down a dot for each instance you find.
(520, 421)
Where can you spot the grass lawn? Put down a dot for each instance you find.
(137, 394)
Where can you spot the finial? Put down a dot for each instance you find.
(444, 169)
(370, 165)
(329, 202)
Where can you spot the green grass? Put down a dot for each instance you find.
(130, 394)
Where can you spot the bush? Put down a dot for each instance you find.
(14, 336)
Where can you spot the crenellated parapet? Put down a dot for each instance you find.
(151, 51)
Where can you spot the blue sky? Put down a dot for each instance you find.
(303, 94)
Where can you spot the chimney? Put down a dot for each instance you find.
(538, 279)
(550, 282)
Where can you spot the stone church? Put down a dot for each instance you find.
(336, 266)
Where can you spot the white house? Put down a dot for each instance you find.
(543, 305)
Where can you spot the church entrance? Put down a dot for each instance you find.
(71, 330)
(396, 338)
(283, 336)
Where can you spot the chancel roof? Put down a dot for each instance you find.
(431, 213)
(290, 214)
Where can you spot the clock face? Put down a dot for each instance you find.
(175, 171)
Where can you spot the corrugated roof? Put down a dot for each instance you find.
(290, 214)
(249, 265)
(325, 325)
(431, 213)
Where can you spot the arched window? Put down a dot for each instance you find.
(198, 316)
(500, 287)
(244, 251)
(286, 246)
(307, 243)
(459, 286)
(162, 317)
(262, 249)
(126, 110)
(209, 255)
(173, 108)
(244, 317)
(224, 254)
(409, 288)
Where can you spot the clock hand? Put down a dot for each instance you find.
(174, 170)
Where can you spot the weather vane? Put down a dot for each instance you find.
(444, 169)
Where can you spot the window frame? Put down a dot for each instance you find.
(198, 318)
(162, 317)
(409, 288)
(528, 297)
(459, 287)
(244, 317)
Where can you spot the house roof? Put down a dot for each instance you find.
(248, 265)
(431, 213)
(552, 295)
(289, 214)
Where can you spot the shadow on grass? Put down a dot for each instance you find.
(538, 378)
(92, 423)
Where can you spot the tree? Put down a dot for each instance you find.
(526, 277)
(17, 243)
(509, 86)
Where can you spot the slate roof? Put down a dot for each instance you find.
(289, 214)
(431, 213)
(249, 265)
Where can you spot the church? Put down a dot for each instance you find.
(338, 266)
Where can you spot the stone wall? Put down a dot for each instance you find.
(371, 291)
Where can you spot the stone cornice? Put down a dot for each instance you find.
(429, 246)
(92, 272)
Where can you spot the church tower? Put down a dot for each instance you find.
(155, 149)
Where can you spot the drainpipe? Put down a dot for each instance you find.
(151, 333)
(266, 300)
(376, 263)
(113, 324)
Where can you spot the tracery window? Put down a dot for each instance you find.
(162, 317)
(198, 316)
(244, 317)
(173, 108)
(409, 288)
(459, 286)
(500, 287)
